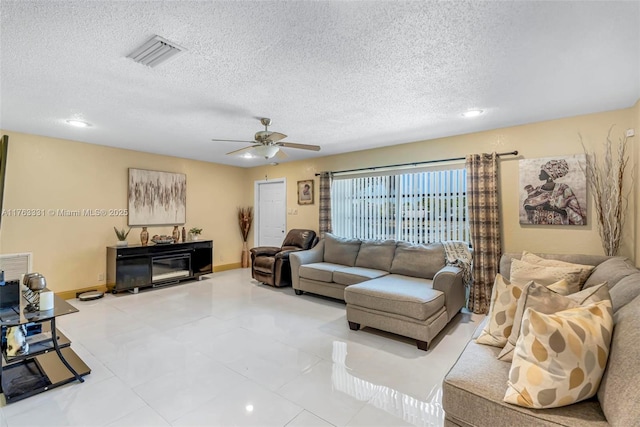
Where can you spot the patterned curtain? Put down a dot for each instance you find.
(484, 226)
(325, 203)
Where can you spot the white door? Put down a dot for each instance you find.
(271, 212)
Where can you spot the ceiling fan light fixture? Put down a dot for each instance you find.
(266, 151)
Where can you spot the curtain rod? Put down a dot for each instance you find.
(510, 153)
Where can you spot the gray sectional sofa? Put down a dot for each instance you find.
(475, 386)
(393, 286)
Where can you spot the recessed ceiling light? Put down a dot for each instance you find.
(78, 123)
(472, 113)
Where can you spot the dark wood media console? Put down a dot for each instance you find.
(137, 266)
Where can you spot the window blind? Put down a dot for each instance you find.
(421, 207)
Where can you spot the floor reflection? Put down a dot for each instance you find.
(411, 410)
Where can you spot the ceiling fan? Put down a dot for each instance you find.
(268, 144)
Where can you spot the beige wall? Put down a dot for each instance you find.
(557, 137)
(49, 173)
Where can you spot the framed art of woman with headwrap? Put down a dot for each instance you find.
(553, 191)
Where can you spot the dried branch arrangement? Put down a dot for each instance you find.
(605, 178)
(245, 218)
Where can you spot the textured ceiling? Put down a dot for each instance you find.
(343, 75)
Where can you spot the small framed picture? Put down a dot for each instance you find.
(305, 192)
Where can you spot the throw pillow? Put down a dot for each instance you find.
(560, 358)
(585, 270)
(502, 309)
(523, 272)
(547, 300)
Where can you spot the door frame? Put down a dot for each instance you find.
(256, 203)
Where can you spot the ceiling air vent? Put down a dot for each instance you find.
(155, 51)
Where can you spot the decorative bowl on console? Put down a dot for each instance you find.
(162, 240)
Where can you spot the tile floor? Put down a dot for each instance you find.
(230, 351)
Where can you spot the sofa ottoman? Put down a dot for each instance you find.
(403, 305)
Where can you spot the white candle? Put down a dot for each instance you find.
(46, 300)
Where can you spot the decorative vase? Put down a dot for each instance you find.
(175, 234)
(144, 236)
(245, 255)
(184, 235)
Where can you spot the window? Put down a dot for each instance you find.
(420, 207)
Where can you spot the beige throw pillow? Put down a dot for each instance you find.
(524, 272)
(585, 270)
(547, 300)
(502, 309)
(560, 358)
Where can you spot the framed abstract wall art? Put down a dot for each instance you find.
(157, 198)
(553, 190)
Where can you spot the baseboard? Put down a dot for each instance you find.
(226, 267)
(72, 293)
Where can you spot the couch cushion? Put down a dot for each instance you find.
(559, 358)
(625, 291)
(352, 275)
(406, 296)
(320, 271)
(376, 254)
(523, 272)
(620, 388)
(545, 300)
(339, 250)
(474, 387)
(611, 271)
(422, 261)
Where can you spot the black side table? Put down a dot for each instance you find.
(50, 361)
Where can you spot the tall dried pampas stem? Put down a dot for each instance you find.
(605, 178)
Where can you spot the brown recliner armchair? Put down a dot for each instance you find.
(270, 264)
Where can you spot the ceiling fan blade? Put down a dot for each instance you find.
(242, 150)
(276, 136)
(281, 155)
(234, 140)
(302, 146)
